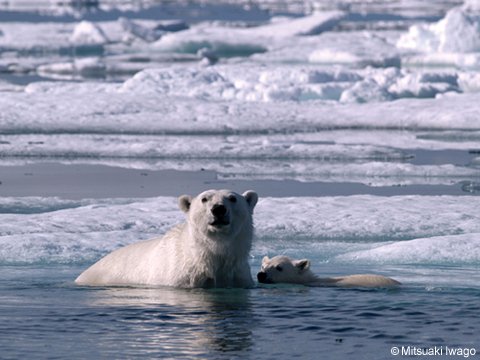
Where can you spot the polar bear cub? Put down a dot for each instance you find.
(282, 269)
(211, 249)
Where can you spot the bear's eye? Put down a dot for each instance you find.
(279, 268)
(232, 198)
(204, 200)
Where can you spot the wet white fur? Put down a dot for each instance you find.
(282, 269)
(192, 254)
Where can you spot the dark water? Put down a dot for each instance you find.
(97, 181)
(43, 315)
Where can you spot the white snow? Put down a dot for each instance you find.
(87, 32)
(455, 39)
(458, 32)
(228, 41)
(136, 106)
(353, 229)
(340, 156)
(282, 83)
(168, 117)
(139, 31)
(377, 93)
(439, 250)
(313, 24)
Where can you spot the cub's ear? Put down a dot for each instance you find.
(302, 265)
(265, 260)
(184, 203)
(251, 197)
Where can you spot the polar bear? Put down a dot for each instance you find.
(211, 249)
(282, 269)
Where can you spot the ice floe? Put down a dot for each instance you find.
(169, 117)
(333, 156)
(354, 229)
(179, 96)
(310, 38)
(458, 32)
(282, 83)
(455, 39)
(352, 94)
(440, 250)
(223, 39)
(313, 24)
(321, 94)
(87, 32)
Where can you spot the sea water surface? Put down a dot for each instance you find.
(356, 121)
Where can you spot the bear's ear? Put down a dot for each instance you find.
(184, 203)
(251, 197)
(265, 260)
(302, 265)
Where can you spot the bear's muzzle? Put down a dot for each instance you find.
(220, 216)
(263, 278)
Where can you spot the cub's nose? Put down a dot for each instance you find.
(219, 210)
(262, 277)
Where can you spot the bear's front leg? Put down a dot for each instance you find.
(208, 283)
(242, 278)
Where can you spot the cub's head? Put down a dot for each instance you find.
(282, 269)
(219, 213)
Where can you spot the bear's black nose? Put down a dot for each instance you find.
(262, 277)
(219, 210)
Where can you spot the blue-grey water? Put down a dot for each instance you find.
(63, 208)
(44, 315)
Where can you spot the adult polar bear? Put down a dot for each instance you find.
(211, 249)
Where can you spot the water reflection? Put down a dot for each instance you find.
(178, 322)
(470, 187)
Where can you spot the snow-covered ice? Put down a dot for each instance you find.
(87, 32)
(438, 250)
(354, 229)
(453, 40)
(335, 93)
(282, 83)
(256, 113)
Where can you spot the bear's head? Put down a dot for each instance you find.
(282, 269)
(220, 214)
